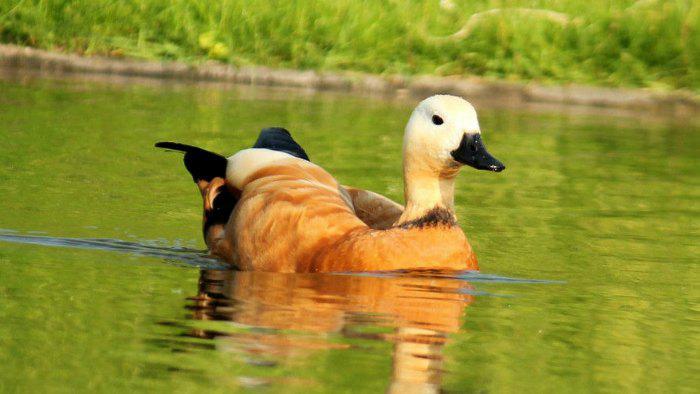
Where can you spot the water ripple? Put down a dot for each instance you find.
(198, 258)
(177, 255)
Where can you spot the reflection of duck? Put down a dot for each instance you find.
(419, 310)
(270, 209)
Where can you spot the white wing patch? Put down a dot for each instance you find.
(246, 162)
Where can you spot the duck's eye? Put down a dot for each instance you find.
(437, 120)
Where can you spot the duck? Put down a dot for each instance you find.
(270, 208)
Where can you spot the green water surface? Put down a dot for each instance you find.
(604, 209)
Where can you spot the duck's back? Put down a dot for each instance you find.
(288, 210)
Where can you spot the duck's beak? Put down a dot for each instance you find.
(472, 152)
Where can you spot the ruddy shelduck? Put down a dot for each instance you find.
(269, 208)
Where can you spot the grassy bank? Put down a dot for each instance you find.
(642, 43)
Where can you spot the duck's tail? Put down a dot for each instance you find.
(208, 171)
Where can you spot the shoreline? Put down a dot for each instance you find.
(676, 103)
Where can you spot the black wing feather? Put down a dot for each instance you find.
(279, 139)
(202, 164)
(205, 165)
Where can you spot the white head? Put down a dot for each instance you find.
(442, 134)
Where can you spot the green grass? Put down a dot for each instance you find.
(646, 43)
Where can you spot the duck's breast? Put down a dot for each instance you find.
(434, 247)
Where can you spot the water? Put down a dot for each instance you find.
(588, 244)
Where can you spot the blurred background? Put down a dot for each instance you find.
(644, 43)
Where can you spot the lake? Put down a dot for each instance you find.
(588, 245)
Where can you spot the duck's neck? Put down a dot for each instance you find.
(429, 194)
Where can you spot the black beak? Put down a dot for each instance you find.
(472, 152)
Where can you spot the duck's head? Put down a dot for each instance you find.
(443, 134)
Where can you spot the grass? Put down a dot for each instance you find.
(645, 43)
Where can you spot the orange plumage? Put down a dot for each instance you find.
(290, 215)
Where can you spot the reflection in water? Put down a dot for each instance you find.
(418, 310)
